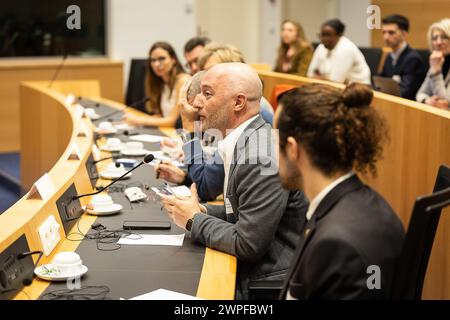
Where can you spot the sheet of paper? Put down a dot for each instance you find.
(153, 240)
(163, 294)
(147, 138)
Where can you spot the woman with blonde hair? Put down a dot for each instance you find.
(163, 84)
(295, 51)
(435, 90)
(215, 53)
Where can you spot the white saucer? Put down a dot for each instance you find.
(110, 176)
(124, 126)
(41, 273)
(135, 153)
(103, 131)
(115, 207)
(114, 149)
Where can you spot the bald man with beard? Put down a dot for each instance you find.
(260, 222)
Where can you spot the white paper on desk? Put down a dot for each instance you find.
(153, 240)
(163, 294)
(147, 138)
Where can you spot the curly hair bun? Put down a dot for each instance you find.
(357, 95)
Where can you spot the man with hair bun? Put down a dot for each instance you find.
(327, 136)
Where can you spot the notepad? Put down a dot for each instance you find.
(163, 294)
(153, 240)
(147, 138)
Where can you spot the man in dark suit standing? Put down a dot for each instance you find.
(260, 222)
(352, 239)
(403, 64)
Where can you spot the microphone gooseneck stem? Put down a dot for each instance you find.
(58, 70)
(104, 188)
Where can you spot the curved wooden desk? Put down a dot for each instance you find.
(49, 127)
(419, 144)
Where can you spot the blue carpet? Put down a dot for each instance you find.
(9, 163)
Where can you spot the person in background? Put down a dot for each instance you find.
(295, 51)
(193, 49)
(403, 64)
(327, 135)
(337, 58)
(215, 53)
(164, 81)
(435, 90)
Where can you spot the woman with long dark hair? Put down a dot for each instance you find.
(164, 81)
(295, 51)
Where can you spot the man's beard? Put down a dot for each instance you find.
(216, 120)
(292, 179)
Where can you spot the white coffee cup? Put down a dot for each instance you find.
(101, 201)
(67, 263)
(113, 143)
(113, 169)
(106, 125)
(89, 112)
(134, 146)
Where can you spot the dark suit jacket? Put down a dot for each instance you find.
(411, 69)
(352, 229)
(263, 222)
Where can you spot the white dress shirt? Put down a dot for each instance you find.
(322, 194)
(226, 149)
(344, 63)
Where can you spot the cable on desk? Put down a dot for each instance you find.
(83, 293)
(102, 236)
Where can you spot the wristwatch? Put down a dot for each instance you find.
(189, 225)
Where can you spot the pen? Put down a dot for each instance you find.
(158, 171)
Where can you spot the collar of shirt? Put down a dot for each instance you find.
(318, 198)
(226, 150)
(395, 55)
(226, 146)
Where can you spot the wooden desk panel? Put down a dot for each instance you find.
(13, 71)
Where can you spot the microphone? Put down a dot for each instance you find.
(29, 277)
(58, 70)
(143, 100)
(148, 158)
(103, 159)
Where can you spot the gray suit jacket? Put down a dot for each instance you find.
(263, 221)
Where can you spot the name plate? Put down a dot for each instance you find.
(42, 189)
(82, 130)
(79, 111)
(75, 153)
(70, 99)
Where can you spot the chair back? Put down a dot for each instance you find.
(412, 266)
